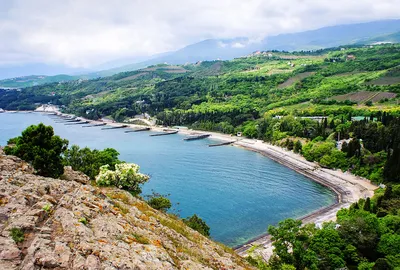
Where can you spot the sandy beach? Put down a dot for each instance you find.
(347, 187)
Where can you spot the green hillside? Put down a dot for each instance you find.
(32, 80)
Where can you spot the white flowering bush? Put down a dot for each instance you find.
(125, 176)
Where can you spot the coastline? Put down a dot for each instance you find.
(347, 187)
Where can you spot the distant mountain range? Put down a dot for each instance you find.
(212, 49)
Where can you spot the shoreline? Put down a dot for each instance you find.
(347, 188)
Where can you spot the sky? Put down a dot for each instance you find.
(87, 33)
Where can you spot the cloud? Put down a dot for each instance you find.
(85, 33)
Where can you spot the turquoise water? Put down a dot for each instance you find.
(237, 192)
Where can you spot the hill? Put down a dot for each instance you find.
(32, 80)
(69, 224)
(227, 49)
(237, 90)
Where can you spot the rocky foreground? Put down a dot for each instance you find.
(69, 224)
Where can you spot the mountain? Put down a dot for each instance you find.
(226, 49)
(37, 69)
(32, 80)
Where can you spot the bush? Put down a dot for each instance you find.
(314, 151)
(89, 161)
(197, 224)
(39, 146)
(335, 160)
(17, 235)
(297, 147)
(125, 176)
(160, 203)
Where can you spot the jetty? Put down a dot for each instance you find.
(197, 137)
(138, 130)
(69, 121)
(123, 126)
(221, 144)
(96, 125)
(77, 123)
(164, 133)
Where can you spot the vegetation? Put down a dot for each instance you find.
(159, 202)
(89, 161)
(47, 208)
(197, 224)
(17, 235)
(125, 176)
(366, 236)
(39, 146)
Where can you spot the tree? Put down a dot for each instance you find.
(367, 205)
(197, 224)
(125, 176)
(391, 172)
(297, 146)
(389, 244)
(89, 161)
(39, 146)
(382, 264)
(290, 241)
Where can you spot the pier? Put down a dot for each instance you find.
(164, 133)
(78, 123)
(138, 130)
(69, 121)
(123, 126)
(221, 144)
(197, 137)
(96, 125)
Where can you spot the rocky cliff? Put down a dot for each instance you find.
(69, 224)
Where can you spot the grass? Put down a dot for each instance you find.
(140, 239)
(121, 196)
(121, 207)
(17, 235)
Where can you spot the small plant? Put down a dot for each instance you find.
(83, 220)
(140, 239)
(17, 235)
(47, 208)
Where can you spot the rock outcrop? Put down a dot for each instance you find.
(68, 224)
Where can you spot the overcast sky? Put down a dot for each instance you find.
(85, 33)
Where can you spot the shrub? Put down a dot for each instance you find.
(197, 224)
(17, 235)
(39, 146)
(125, 176)
(297, 147)
(89, 161)
(160, 203)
